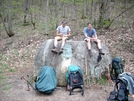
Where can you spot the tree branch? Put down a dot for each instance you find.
(120, 15)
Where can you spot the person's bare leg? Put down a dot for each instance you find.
(56, 40)
(89, 46)
(55, 43)
(99, 46)
(99, 43)
(63, 43)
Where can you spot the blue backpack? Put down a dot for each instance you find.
(47, 81)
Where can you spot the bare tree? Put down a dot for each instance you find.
(10, 32)
(47, 15)
(84, 9)
(119, 15)
(56, 12)
(73, 12)
(2, 17)
(64, 10)
(26, 11)
(104, 12)
(91, 9)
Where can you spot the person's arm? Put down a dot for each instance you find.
(57, 32)
(85, 34)
(94, 35)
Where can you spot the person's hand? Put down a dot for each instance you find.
(91, 38)
(94, 39)
(65, 35)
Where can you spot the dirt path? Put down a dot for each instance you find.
(17, 91)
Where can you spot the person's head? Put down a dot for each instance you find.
(89, 25)
(64, 22)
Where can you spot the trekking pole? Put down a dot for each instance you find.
(28, 83)
(87, 76)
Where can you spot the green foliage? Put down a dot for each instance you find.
(66, 1)
(106, 23)
(16, 3)
(12, 70)
(104, 81)
(76, 2)
(95, 24)
(15, 51)
(25, 24)
(34, 9)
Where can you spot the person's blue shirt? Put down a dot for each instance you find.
(90, 33)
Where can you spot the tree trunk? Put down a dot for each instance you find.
(64, 10)
(95, 19)
(10, 32)
(26, 11)
(56, 12)
(2, 17)
(104, 18)
(83, 9)
(73, 12)
(91, 10)
(0, 5)
(33, 23)
(47, 5)
(101, 13)
(4, 24)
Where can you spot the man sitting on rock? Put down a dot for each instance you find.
(62, 33)
(90, 35)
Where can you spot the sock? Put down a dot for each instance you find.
(55, 47)
(100, 50)
(89, 50)
(90, 53)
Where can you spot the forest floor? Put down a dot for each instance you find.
(17, 60)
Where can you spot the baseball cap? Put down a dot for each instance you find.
(64, 22)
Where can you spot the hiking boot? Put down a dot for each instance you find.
(61, 51)
(100, 52)
(90, 53)
(54, 50)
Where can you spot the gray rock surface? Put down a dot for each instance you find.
(75, 52)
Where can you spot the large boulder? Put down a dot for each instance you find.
(75, 52)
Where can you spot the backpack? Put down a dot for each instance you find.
(47, 81)
(117, 67)
(120, 92)
(74, 78)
